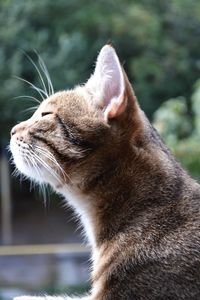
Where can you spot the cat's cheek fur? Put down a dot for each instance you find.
(28, 170)
(20, 162)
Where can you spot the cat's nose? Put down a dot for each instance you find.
(13, 131)
(17, 128)
(20, 128)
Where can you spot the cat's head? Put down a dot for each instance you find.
(77, 131)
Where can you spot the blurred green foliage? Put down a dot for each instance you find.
(158, 42)
(181, 133)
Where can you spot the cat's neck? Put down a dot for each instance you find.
(121, 193)
(83, 208)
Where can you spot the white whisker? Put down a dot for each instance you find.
(51, 157)
(46, 73)
(29, 157)
(40, 91)
(29, 97)
(33, 108)
(46, 166)
(38, 71)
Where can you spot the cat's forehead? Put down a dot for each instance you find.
(65, 98)
(71, 102)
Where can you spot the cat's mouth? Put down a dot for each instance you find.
(35, 162)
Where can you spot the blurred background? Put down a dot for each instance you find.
(158, 44)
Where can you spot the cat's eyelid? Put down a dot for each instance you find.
(46, 113)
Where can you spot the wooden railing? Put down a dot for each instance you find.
(43, 249)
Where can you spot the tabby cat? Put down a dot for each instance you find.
(139, 208)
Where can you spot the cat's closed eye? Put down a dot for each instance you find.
(45, 113)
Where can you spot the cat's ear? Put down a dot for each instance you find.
(107, 84)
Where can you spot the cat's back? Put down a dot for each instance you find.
(162, 259)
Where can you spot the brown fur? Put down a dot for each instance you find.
(144, 208)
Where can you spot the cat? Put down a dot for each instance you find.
(140, 210)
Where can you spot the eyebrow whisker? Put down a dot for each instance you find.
(29, 97)
(40, 91)
(46, 73)
(38, 71)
